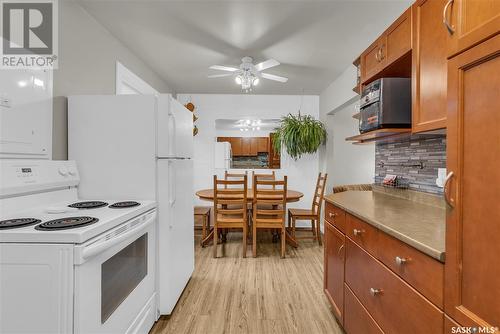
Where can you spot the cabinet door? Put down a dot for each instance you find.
(334, 269)
(397, 40)
(245, 146)
(429, 66)
(236, 146)
(470, 22)
(262, 144)
(370, 60)
(253, 146)
(472, 268)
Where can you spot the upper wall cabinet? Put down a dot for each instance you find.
(389, 48)
(429, 66)
(469, 22)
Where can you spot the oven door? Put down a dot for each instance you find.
(115, 279)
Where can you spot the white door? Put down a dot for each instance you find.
(175, 129)
(176, 230)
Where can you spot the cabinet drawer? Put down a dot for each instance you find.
(335, 216)
(394, 305)
(357, 320)
(419, 270)
(362, 233)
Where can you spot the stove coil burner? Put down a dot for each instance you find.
(66, 223)
(127, 204)
(18, 222)
(88, 205)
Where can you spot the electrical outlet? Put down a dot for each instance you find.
(5, 102)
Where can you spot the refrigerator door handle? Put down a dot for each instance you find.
(173, 134)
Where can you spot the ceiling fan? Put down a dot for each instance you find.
(248, 74)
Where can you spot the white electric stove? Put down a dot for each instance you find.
(70, 265)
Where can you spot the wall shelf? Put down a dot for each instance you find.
(379, 135)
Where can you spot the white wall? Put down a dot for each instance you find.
(344, 162)
(301, 174)
(87, 65)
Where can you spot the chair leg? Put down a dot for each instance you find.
(203, 230)
(244, 241)
(216, 235)
(283, 242)
(293, 227)
(254, 240)
(318, 231)
(313, 227)
(289, 220)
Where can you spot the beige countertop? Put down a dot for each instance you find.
(421, 226)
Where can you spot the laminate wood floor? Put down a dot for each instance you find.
(261, 295)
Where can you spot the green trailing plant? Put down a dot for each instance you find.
(299, 135)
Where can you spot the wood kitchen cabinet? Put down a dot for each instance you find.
(397, 39)
(262, 144)
(334, 268)
(469, 22)
(429, 66)
(389, 48)
(236, 146)
(254, 146)
(472, 268)
(245, 146)
(274, 157)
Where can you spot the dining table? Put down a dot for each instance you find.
(291, 196)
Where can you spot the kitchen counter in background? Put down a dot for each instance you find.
(418, 221)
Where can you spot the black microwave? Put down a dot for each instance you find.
(385, 103)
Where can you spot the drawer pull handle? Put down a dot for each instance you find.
(401, 260)
(340, 248)
(448, 26)
(357, 232)
(447, 198)
(375, 292)
(332, 214)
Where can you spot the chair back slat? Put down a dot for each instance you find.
(319, 193)
(230, 202)
(267, 202)
(263, 176)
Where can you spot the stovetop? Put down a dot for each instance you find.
(64, 223)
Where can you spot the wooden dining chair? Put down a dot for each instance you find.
(314, 214)
(230, 208)
(269, 208)
(263, 176)
(234, 176)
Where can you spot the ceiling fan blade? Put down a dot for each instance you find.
(220, 75)
(224, 68)
(274, 77)
(266, 64)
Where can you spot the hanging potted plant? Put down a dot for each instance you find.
(299, 135)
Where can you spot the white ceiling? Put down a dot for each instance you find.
(314, 40)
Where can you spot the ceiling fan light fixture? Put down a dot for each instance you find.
(256, 81)
(238, 79)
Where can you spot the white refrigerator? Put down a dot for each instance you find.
(223, 155)
(140, 147)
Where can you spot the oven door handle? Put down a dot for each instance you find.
(86, 252)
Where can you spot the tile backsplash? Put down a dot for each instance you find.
(430, 151)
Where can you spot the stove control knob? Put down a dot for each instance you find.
(72, 171)
(63, 171)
